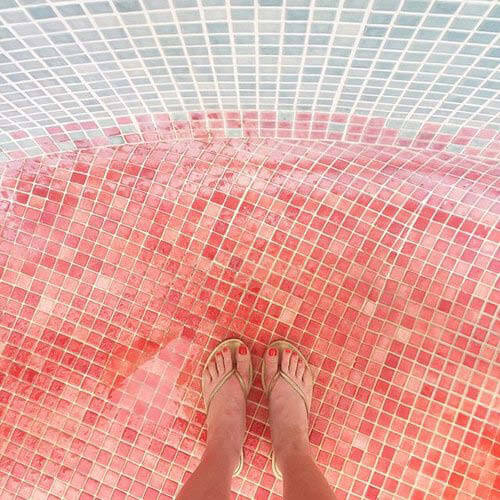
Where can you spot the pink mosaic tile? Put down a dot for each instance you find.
(255, 124)
(121, 267)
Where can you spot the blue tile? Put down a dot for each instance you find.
(184, 4)
(127, 5)
(7, 4)
(352, 17)
(242, 14)
(474, 9)
(70, 10)
(447, 7)
(375, 31)
(455, 36)
(406, 33)
(490, 26)
(217, 27)
(415, 5)
(356, 4)
(98, 7)
(297, 14)
(495, 12)
(44, 12)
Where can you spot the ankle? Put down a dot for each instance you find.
(292, 452)
(223, 450)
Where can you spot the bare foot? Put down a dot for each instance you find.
(226, 413)
(287, 411)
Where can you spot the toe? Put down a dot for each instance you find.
(308, 379)
(219, 361)
(308, 384)
(206, 377)
(271, 361)
(228, 360)
(212, 369)
(285, 360)
(206, 381)
(292, 369)
(300, 370)
(243, 362)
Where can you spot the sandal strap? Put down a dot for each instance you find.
(222, 381)
(279, 374)
(271, 385)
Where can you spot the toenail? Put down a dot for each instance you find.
(273, 352)
(243, 349)
(288, 351)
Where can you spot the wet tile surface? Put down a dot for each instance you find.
(122, 267)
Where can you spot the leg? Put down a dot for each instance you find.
(289, 429)
(212, 478)
(226, 429)
(302, 478)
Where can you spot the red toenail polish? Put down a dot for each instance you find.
(243, 349)
(273, 352)
(288, 351)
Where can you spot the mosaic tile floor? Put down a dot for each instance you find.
(123, 266)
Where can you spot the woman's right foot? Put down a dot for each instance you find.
(287, 411)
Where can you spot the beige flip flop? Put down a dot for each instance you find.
(280, 346)
(233, 344)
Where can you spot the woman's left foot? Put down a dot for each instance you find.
(227, 410)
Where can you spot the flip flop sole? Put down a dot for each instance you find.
(232, 344)
(281, 345)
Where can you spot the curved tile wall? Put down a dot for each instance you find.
(76, 70)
